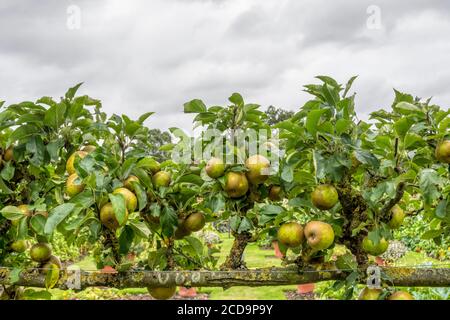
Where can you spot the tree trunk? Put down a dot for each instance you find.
(234, 259)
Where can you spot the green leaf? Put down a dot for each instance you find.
(52, 276)
(23, 132)
(442, 210)
(140, 194)
(119, 207)
(431, 234)
(343, 125)
(140, 228)
(23, 228)
(374, 236)
(237, 99)
(367, 157)
(429, 179)
(196, 245)
(406, 108)
(4, 188)
(194, 106)
(216, 203)
(349, 85)
(287, 174)
(169, 220)
(14, 275)
(312, 120)
(12, 213)
(144, 117)
(402, 126)
(37, 223)
(191, 178)
(126, 239)
(57, 215)
(55, 116)
(245, 225)
(72, 91)
(268, 213)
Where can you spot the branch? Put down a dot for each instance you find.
(385, 211)
(408, 277)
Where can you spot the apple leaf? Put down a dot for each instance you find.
(57, 215)
(119, 207)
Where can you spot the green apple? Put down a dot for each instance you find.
(374, 249)
(258, 169)
(290, 234)
(162, 293)
(215, 168)
(319, 235)
(236, 184)
(40, 252)
(443, 151)
(397, 217)
(324, 197)
(370, 294)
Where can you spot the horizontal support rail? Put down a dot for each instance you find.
(80, 279)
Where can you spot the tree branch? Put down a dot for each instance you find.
(385, 211)
(399, 276)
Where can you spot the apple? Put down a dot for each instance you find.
(70, 162)
(74, 185)
(290, 234)
(108, 217)
(324, 197)
(155, 167)
(215, 168)
(443, 151)
(40, 252)
(236, 184)
(397, 217)
(258, 169)
(161, 179)
(319, 235)
(401, 295)
(194, 222)
(162, 293)
(370, 294)
(9, 154)
(181, 231)
(52, 260)
(130, 198)
(128, 182)
(19, 246)
(372, 249)
(275, 193)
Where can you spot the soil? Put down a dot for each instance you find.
(294, 295)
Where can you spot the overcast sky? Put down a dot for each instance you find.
(139, 56)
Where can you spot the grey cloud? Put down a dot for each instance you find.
(139, 56)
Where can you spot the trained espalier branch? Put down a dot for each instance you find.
(401, 276)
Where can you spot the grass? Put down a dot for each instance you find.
(254, 258)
